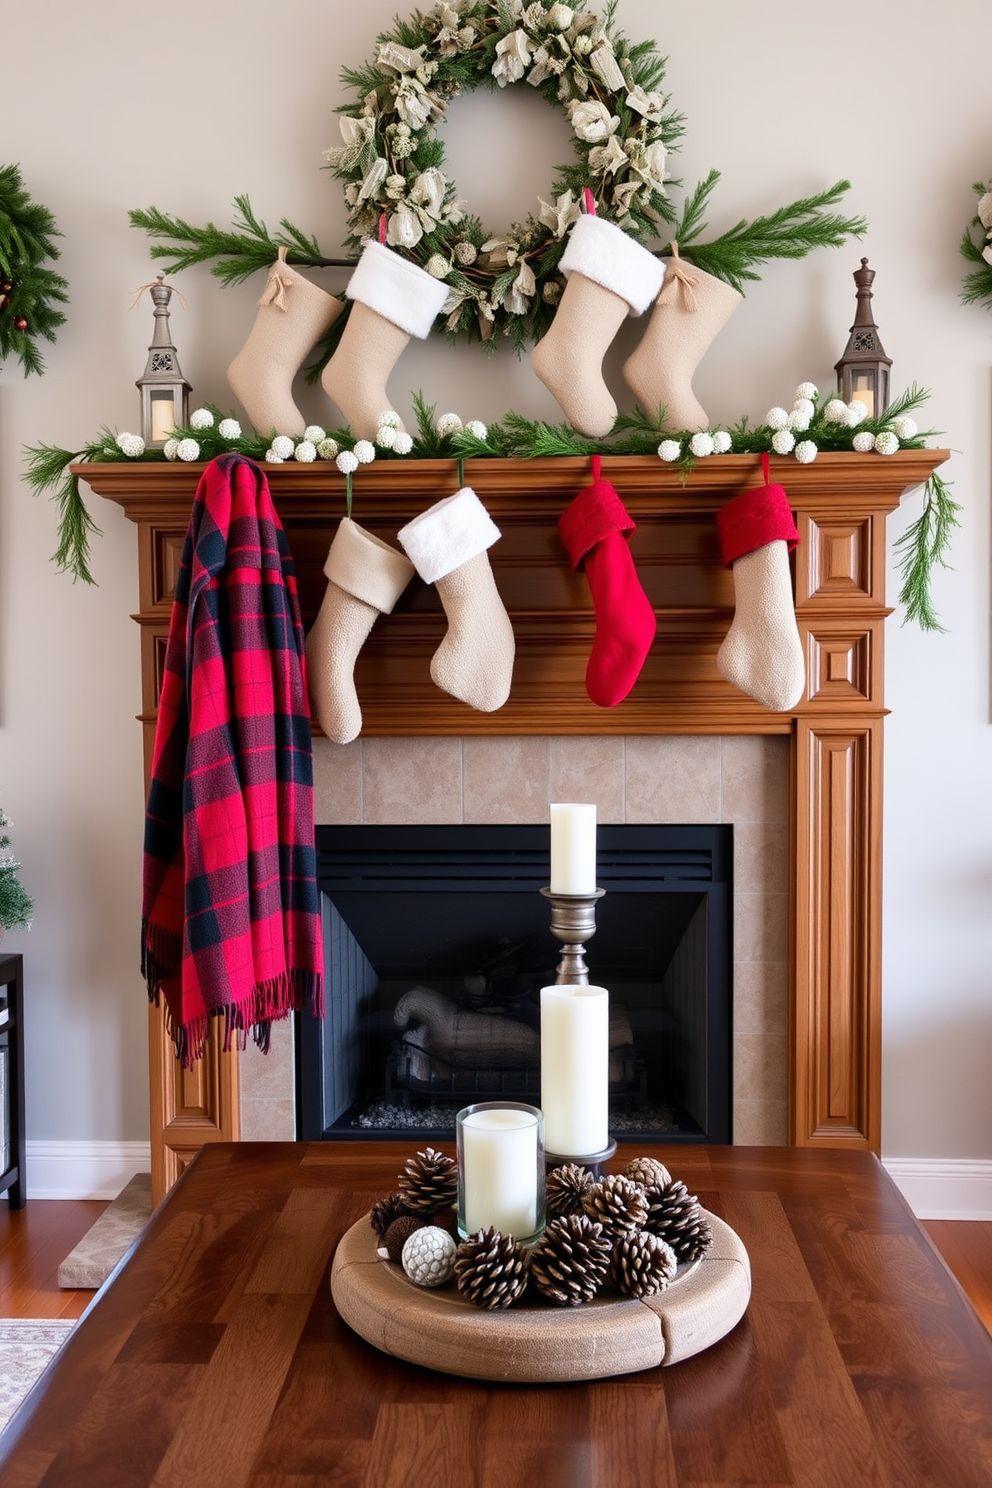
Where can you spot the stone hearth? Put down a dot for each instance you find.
(742, 780)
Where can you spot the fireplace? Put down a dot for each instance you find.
(437, 944)
(807, 924)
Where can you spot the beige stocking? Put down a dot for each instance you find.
(292, 316)
(762, 653)
(691, 309)
(609, 277)
(569, 359)
(393, 299)
(448, 545)
(355, 377)
(365, 579)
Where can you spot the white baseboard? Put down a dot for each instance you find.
(943, 1187)
(83, 1170)
(934, 1188)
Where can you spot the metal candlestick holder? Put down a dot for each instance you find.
(573, 922)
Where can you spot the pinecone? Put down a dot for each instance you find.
(491, 1269)
(429, 1182)
(643, 1264)
(385, 1211)
(674, 1215)
(649, 1171)
(570, 1262)
(565, 1187)
(399, 1233)
(619, 1204)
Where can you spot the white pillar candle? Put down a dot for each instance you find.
(500, 1170)
(575, 1069)
(573, 849)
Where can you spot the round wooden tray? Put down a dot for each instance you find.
(441, 1330)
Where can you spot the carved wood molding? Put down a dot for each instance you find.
(841, 502)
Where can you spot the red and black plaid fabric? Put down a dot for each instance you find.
(231, 913)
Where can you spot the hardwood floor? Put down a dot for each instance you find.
(33, 1242)
(966, 1246)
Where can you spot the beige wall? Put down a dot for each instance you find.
(110, 106)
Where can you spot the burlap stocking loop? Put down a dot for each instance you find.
(679, 282)
(277, 284)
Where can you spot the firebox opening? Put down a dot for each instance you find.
(437, 943)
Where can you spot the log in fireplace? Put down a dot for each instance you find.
(437, 944)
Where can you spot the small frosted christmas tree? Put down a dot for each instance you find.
(16, 905)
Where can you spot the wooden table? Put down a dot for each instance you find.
(214, 1356)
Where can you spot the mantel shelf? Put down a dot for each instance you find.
(840, 502)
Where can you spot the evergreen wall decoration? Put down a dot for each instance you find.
(30, 290)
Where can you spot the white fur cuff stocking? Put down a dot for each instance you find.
(448, 545)
(603, 252)
(448, 534)
(397, 289)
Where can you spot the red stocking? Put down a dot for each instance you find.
(593, 529)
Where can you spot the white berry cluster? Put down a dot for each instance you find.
(888, 440)
(131, 445)
(181, 449)
(700, 445)
(390, 435)
(450, 423)
(787, 423)
(363, 453)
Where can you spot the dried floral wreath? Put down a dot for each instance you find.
(393, 165)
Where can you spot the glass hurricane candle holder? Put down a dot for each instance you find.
(501, 1169)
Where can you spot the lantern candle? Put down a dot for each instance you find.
(501, 1169)
(575, 1054)
(573, 849)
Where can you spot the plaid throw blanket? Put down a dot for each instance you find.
(231, 913)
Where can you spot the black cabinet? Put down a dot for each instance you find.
(12, 1170)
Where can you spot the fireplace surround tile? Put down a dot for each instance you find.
(506, 780)
(673, 779)
(418, 781)
(337, 770)
(740, 779)
(755, 778)
(585, 768)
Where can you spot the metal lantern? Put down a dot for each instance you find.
(863, 370)
(164, 391)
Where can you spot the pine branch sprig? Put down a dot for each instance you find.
(48, 470)
(790, 232)
(926, 543)
(233, 254)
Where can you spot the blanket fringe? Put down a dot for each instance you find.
(161, 953)
(267, 1003)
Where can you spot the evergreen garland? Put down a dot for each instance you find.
(30, 291)
(922, 546)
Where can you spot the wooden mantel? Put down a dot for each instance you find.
(840, 502)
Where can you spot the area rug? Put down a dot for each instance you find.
(26, 1346)
(96, 1255)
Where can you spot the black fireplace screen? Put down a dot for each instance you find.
(437, 943)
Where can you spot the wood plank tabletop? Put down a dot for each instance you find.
(214, 1355)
